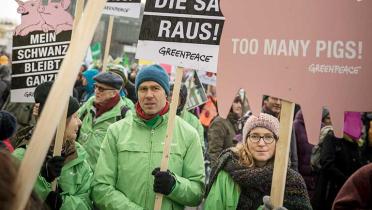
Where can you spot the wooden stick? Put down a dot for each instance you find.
(169, 135)
(62, 124)
(59, 140)
(282, 154)
(108, 43)
(52, 113)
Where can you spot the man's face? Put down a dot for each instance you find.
(104, 93)
(151, 97)
(273, 104)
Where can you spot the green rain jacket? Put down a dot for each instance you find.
(75, 181)
(130, 152)
(93, 130)
(195, 123)
(224, 193)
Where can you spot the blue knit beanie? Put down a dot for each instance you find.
(153, 73)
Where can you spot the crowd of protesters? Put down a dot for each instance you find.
(114, 136)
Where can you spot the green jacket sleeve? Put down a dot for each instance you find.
(224, 193)
(104, 193)
(41, 187)
(81, 199)
(189, 189)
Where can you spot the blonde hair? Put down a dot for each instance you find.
(244, 154)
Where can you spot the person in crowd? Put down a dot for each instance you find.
(356, 193)
(99, 112)
(272, 105)
(88, 83)
(243, 175)
(304, 149)
(186, 115)
(367, 151)
(79, 82)
(119, 70)
(130, 156)
(209, 109)
(4, 83)
(129, 86)
(23, 114)
(9, 169)
(339, 158)
(223, 132)
(8, 125)
(72, 171)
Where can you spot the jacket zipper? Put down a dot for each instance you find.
(149, 162)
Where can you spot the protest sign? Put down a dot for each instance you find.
(207, 78)
(39, 44)
(96, 51)
(182, 33)
(196, 95)
(124, 8)
(282, 49)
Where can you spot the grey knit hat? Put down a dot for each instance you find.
(264, 121)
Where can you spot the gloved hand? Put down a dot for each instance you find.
(54, 200)
(269, 206)
(52, 168)
(164, 181)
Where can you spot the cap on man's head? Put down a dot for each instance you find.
(109, 79)
(119, 70)
(153, 73)
(41, 94)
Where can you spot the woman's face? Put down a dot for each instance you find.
(72, 127)
(261, 150)
(237, 108)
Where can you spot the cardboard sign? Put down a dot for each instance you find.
(40, 43)
(37, 58)
(182, 33)
(196, 94)
(124, 8)
(314, 53)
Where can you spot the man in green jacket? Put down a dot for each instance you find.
(100, 111)
(127, 174)
(72, 171)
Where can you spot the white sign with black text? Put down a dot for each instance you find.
(124, 8)
(182, 33)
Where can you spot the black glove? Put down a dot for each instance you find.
(54, 200)
(52, 168)
(164, 181)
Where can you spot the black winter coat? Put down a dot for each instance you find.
(339, 159)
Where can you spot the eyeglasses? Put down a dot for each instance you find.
(102, 89)
(268, 139)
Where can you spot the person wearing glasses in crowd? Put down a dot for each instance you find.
(100, 111)
(243, 176)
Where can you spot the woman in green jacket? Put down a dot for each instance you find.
(71, 170)
(243, 174)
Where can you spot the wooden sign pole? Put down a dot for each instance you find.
(169, 135)
(108, 43)
(60, 92)
(62, 124)
(282, 154)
